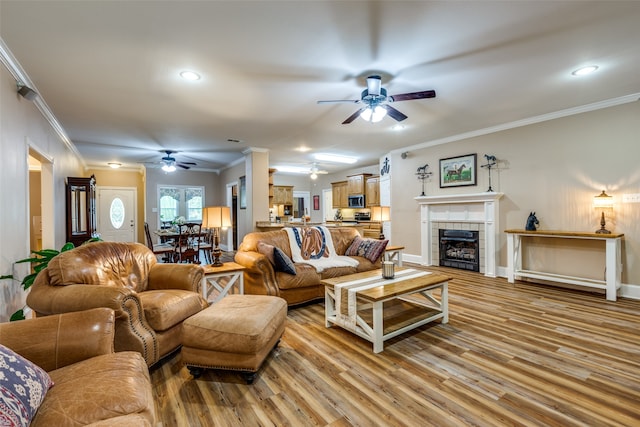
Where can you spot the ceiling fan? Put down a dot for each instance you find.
(314, 171)
(169, 163)
(376, 102)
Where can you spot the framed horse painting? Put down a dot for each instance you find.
(458, 171)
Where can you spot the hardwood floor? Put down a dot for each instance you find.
(511, 355)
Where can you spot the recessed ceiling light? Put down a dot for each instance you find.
(335, 158)
(190, 75)
(585, 70)
(397, 127)
(303, 149)
(114, 165)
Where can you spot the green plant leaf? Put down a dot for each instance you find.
(18, 315)
(67, 247)
(9, 276)
(28, 281)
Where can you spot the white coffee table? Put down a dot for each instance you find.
(378, 309)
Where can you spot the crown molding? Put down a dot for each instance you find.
(18, 73)
(525, 122)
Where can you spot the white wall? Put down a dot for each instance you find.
(21, 124)
(554, 168)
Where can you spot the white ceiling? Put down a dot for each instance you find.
(109, 71)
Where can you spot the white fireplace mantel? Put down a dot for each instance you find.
(476, 208)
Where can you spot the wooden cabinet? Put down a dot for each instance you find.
(282, 195)
(81, 209)
(356, 184)
(339, 194)
(372, 194)
(271, 172)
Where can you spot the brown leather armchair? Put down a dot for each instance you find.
(150, 300)
(92, 384)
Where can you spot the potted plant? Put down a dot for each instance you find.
(39, 261)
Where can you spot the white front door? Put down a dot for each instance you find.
(117, 213)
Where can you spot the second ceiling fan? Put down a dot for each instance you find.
(376, 102)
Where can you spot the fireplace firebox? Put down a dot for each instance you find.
(459, 249)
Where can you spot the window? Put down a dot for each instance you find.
(180, 200)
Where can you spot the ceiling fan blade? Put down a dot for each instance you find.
(413, 95)
(394, 114)
(343, 101)
(188, 163)
(183, 166)
(352, 117)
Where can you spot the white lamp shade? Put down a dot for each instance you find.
(216, 216)
(373, 115)
(603, 200)
(380, 213)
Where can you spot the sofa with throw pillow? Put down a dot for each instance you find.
(62, 371)
(290, 262)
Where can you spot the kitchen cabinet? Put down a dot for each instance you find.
(271, 172)
(282, 195)
(372, 193)
(339, 194)
(81, 209)
(356, 184)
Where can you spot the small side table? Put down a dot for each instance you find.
(394, 253)
(211, 281)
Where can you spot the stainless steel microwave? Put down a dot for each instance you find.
(356, 201)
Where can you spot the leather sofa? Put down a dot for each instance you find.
(150, 299)
(261, 278)
(92, 384)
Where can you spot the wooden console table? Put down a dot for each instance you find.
(613, 259)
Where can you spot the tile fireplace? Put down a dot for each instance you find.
(477, 212)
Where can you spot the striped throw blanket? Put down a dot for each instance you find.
(345, 294)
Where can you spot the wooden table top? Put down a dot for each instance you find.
(387, 288)
(227, 267)
(561, 233)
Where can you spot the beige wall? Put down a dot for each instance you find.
(23, 126)
(125, 178)
(554, 168)
(155, 177)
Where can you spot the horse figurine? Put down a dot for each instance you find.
(532, 222)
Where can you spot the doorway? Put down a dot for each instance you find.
(117, 213)
(301, 203)
(41, 205)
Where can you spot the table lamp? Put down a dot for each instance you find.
(216, 217)
(603, 201)
(380, 213)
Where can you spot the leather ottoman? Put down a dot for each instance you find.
(236, 333)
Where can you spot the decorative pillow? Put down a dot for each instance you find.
(282, 262)
(266, 250)
(370, 249)
(23, 386)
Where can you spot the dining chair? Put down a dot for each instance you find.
(161, 249)
(187, 244)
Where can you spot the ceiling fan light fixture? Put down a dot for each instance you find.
(373, 114)
(168, 168)
(313, 175)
